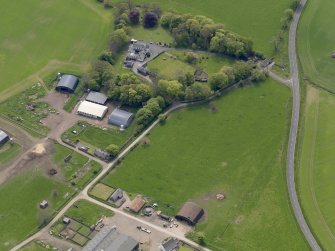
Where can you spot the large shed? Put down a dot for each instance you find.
(67, 83)
(3, 137)
(97, 97)
(109, 239)
(92, 110)
(121, 118)
(190, 212)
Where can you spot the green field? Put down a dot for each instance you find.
(172, 64)
(238, 151)
(68, 168)
(8, 152)
(40, 36)
(317, 160)
(316, 43)
(95, 137)
(33, 246)
(20, 213)
(87, 212)
(258, 20)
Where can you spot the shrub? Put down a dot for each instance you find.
(150, 20)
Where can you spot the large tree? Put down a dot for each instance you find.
(150, 20)
(170, 89)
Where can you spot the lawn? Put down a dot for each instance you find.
(96, 137)
(69, 168)
(316, 43)
(239, 151)
(36, 38)
(102, 191)
(20, 213)
(258, 20)
(316, 170)
(172, 64)
(87, 212)
(8, 152)
(157, 34)
(33, 246)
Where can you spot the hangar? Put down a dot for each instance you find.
(92, 110)
(120, 118)
(190, 212)
(67, 83)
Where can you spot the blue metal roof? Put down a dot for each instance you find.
(120, 117)
(68, 82)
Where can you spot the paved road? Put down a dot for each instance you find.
(294, 131)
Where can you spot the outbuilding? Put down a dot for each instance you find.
(3, 137)
(67, 83)
(97, 97)
(190, 212)
(170, 245)
(117, 195)
(92, 110)
(121, 118)
(137, 204)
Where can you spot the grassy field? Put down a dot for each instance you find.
(87, 212)
(20, 213)
(33, 246)
(8, 152)
(16, 110)
(258, 20)
(68, 168)
(36, 36)
(102, 191)
(316, 43)
(238, 151)
(169, 67)
(317, 160)
(157, 34)
(95, 137)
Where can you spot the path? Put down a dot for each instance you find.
(294, 131)
(287, 82)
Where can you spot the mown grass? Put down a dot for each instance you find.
(316, 167)
(238, 151)
(19, 208)
(87, 213)
(96, 137)
(35, 35)
(316, 43)
(8, 152)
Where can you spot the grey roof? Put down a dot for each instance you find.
(3, 136)
(102, 154)
(170, 245)
(118, 194)
(67, 82)
(97, 97)
(120, 117)
(109, 239)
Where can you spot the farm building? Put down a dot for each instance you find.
(109, 239)
(92, 110)
(102, 155)
(120, 118)
(67, 83)
(137, 204)
(3, 137)
(190, 212)
(200, 76)
(169, 245)
(97, 97)
(117, 195)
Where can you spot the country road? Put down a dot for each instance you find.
(294, 131)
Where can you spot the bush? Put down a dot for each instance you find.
(150, 20)
(134, 16)
(113, 150)
(107, 56)
(218, 81)
(197, 91)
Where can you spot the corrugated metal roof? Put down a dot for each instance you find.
(93, 109)
(97, 97)
(120, 117)
(3, 136)
(68, 82)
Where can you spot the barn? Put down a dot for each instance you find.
(191, 213)
(3, 137)
(121, 118)
(97, 97)
(92, 110)
(67, 83)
